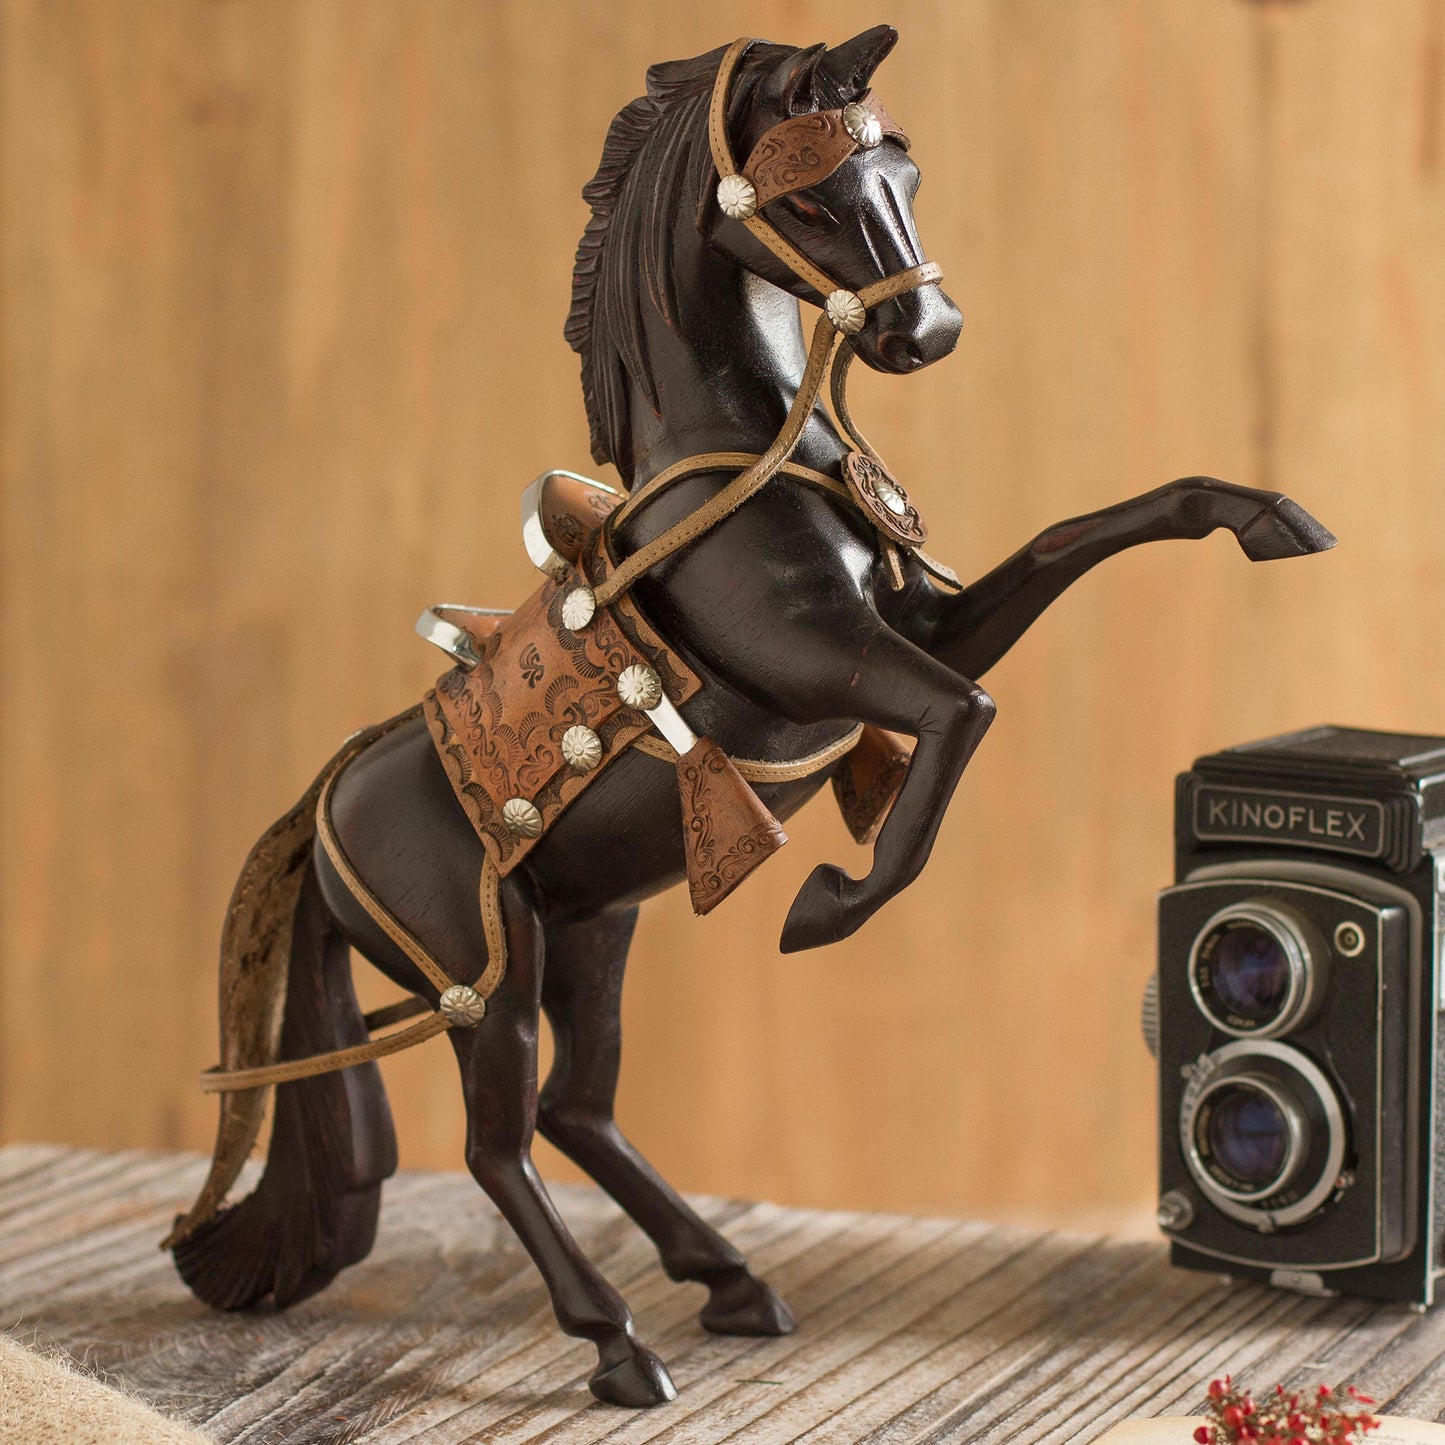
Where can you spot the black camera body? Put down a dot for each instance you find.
(1295, 1015)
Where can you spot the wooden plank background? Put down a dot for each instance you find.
(283, 287)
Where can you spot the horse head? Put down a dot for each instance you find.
(854, 223)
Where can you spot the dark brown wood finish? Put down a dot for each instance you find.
(691, 344)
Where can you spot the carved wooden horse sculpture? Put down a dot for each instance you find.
(781, 563)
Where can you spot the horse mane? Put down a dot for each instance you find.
(656, 164)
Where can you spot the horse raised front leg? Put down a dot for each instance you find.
(582, 994)
(972, 629)
(895, 685)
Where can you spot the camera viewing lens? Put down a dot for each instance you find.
(1249, 1135)
(1251, 972)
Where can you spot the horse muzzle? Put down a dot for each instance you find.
(909, 331)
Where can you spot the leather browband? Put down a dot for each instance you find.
(804, 149)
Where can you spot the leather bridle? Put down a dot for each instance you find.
(832, 137)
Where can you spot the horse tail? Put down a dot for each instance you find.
(286, 992)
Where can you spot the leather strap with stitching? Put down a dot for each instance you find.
(722, 159)
(748, 483)
(717, 462)
(759, 770)
(216, 1081)
(743, 486)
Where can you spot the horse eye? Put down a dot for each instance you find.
(810, 209)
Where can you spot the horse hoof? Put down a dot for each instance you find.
(822, 913)
(746, 1306)
(637, 1383)
(1284, 530)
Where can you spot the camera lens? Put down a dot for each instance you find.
(1263, 1132)
(1251, 970)
(1248, 1135)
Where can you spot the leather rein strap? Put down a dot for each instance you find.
(843, 314)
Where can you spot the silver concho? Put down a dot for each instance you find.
(891, 497)
(522, 818)
(639, 686)
(579, 607)
(736, 196)
(862, 125)
(845, 311)
(463, 1005)
(581, 748)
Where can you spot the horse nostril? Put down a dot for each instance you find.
(900, 351)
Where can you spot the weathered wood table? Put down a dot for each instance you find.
(911, 1330)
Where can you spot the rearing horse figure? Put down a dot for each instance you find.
(779, 562)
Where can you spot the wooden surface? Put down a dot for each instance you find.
(283, 288)
(910, 1330)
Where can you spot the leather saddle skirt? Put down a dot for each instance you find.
(500, 725)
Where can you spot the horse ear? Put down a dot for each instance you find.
(845, 70)
(792, 85)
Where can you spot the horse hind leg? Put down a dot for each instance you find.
(498, 1062)
(582, 994)
(315, 1208)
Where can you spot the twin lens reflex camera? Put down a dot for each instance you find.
(1295, 1015)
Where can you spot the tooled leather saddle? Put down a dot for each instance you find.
(537, 707)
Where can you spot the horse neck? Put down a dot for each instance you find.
(727, 373)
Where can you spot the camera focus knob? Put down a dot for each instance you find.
(1149, 1015)
(1175, 1211)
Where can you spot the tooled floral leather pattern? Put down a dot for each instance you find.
(867, 781)
(727, 830)
(804, 149)
(870, 481)
(498, 726)
(799, 152)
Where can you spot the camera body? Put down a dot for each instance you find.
(1295, 1014)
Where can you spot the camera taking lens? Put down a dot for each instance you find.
(1263, 1133)
(1251, 1135)
(1252, 971)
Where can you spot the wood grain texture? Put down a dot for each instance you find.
(911, 1330)
(283, 287)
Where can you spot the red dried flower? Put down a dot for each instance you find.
(1284, 1418)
